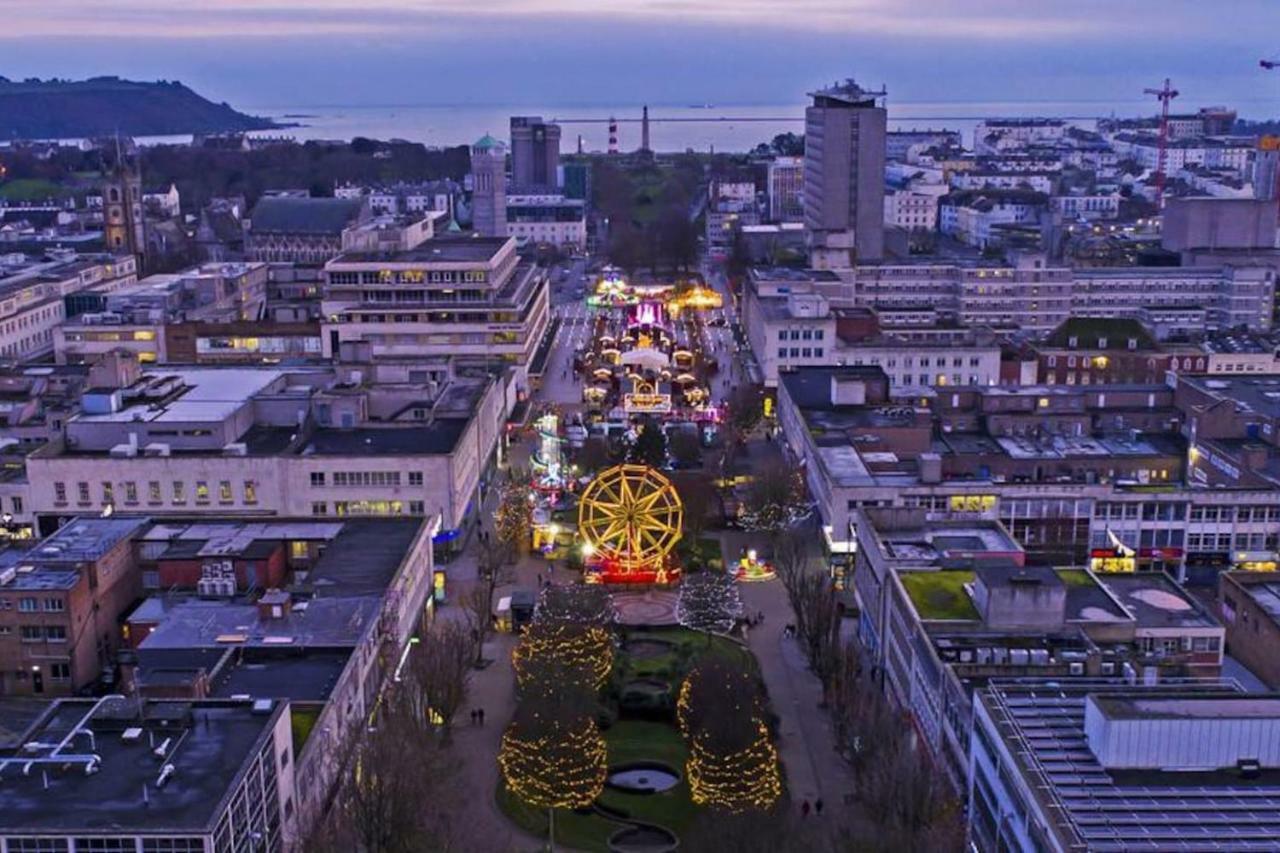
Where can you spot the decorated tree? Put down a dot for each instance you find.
(583, 653)
(513, 517)
(709, 601)
(775, 499)
(576, 603)
(553, 755)
(650, 447)
(732, 764)
(438, 669)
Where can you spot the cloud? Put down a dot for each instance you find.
(997, 20)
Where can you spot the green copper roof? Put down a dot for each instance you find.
(486, 142)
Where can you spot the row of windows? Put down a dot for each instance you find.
(129, 490)
(40, 633)
(801, 352)
(801, 334)
(30, 604)
(409, 277)
(365, 478)
(368, 507)
(1226, 542)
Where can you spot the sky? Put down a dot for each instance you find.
(604, 52)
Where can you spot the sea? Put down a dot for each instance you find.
(673, 127)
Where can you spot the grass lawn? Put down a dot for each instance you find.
(686, 647)
(704, 549)
(31, 189)
(628, 741)
(940, 595)
(1076, 577)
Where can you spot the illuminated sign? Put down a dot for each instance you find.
(658, 403)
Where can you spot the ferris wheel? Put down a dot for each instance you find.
(630, 516)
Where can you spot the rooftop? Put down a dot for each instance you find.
(1257, 393)
(1043, 726)
(940, 595)
(210, 746)
(1157, 602)
(439, 250)
(305, 215)
(438, 437)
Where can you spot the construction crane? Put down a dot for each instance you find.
(1166, 95)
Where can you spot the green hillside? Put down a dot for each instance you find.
(102, 106)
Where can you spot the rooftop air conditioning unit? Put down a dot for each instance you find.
(158, 448)
(1076, 668)
(236, 448)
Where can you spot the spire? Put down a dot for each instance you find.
(644, 130)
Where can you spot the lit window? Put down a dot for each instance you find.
(179, 492)
(250, 492)
(202, 491)
(224, 492)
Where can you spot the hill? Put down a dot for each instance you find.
(102, 106)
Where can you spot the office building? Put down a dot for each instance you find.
(1118, 767)
(469, 298)
(115, 774)
(547, 220)
(535, 155)
(844, 161)
(786, 189)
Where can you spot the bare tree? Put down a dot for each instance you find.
(396, 767)
(513, 517)
(709, 601)
(578, 603)
(439, 668)
(813, 603)
(775, 500)
(492, 573)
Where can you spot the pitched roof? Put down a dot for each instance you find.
(305, 215)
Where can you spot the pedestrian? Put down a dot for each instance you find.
(473, 716)
(539, 578)
(480, 716)
(804, 809)
(817, 807)
(760, 617)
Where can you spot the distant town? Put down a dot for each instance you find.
(869, 489)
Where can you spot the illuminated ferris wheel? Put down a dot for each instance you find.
(630, 516)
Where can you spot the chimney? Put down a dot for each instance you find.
(274, 604)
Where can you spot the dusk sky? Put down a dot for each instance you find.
(318, 52)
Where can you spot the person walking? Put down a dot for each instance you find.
(473, 716)
(817, 807)
(804, 809)
(480, 716)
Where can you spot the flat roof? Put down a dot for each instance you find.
(1255, 393)
(1189, 707)
(211, 394)
(439, 250)
(1156, 602)
(86, 539)
(439, 437)
(1042, 725)
(303, 675)
(210, 745)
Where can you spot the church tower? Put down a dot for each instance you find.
(489, 187)
(123, 222)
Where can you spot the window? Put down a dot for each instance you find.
(60, 672)
(179, 492)
(782, 352)
(415, 478)
(32, 633)
(224, 492)
(17, 505)
(250, 492)
(417, 508)
(319, 508)
(202, 492)
(82, 489)
(153, 492)
(27, 605)
(54, 605)
(56, 633)
(130, 492)
(108, 494)
(317, 478)
(60, 492)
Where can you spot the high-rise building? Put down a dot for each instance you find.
(489, 187)
(844, 175)
(122, 219)
(535, 153)
(786, 189)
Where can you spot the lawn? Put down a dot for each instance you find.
(636, 740)
(31, 189)
(705, 550)
(940, 595)
(627, 741)
(303, 717)
(1076, 577)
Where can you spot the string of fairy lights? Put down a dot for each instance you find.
(583, 652)
(734, 780)
(563, 766)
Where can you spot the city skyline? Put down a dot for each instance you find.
(723, 52)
